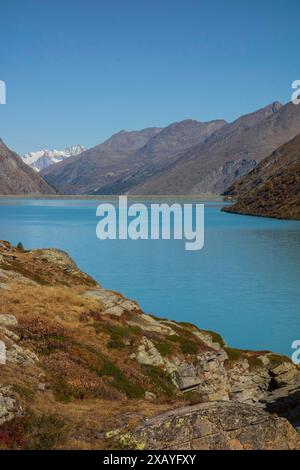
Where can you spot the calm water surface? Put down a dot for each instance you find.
(243, 284)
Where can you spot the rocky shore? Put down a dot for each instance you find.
(86, 368)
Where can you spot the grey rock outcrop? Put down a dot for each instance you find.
(8, 406)
(8, 320)
(223, 425)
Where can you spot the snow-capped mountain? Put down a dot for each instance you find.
(44, 158)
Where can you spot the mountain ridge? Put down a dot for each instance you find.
(186, 157)
(116, 161)
(227, 154)
(100, 163)
(18, 178)
(161, 150)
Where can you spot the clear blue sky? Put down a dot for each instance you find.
(78, 71)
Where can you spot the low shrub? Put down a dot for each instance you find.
(117, 333)
(72, 380)
(120, 381)
(164, 348)
(234, 354)
(46, 335)
(33, 432)
(188, 346)
(277, 359)
(254, 362)
(12, 435)
(160, 379)
(43, 432)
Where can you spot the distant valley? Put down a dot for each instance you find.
(185, 158)
(188, 157)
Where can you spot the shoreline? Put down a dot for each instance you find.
(204, 197)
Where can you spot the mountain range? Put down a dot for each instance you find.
(85, 173)
(44, 158)
(127, 158)
(188, 157)
(227, 154)
(18, 178)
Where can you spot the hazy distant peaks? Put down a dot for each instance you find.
(44, 158)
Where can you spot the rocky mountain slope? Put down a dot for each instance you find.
(44, 158)
(160, 151)
(127, 158)
(97, 166)
(227, 154)
(188, 157)
(86, 368)
(272, 189)
(17, 178)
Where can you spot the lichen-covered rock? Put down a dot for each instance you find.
(211, 369)
(284, 373)
(8, 320)
(147, 354)
(3, 285)
(212, 426)
(8, 405)
(186, 376)
(111, 302)
(247, 384)
(150, 396)
(8, 334)
(209, 375)
(19, 355)
(58, 257)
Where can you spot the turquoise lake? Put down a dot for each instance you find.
(244, 283)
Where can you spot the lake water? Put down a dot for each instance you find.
(243, 284)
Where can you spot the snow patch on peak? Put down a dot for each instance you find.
(44, 158)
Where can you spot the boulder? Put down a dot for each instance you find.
(8, 406)
(212, 426)
(284, 373)
(8, 320)
(147, 353)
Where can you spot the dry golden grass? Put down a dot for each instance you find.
(57, 301)
(89, 381)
